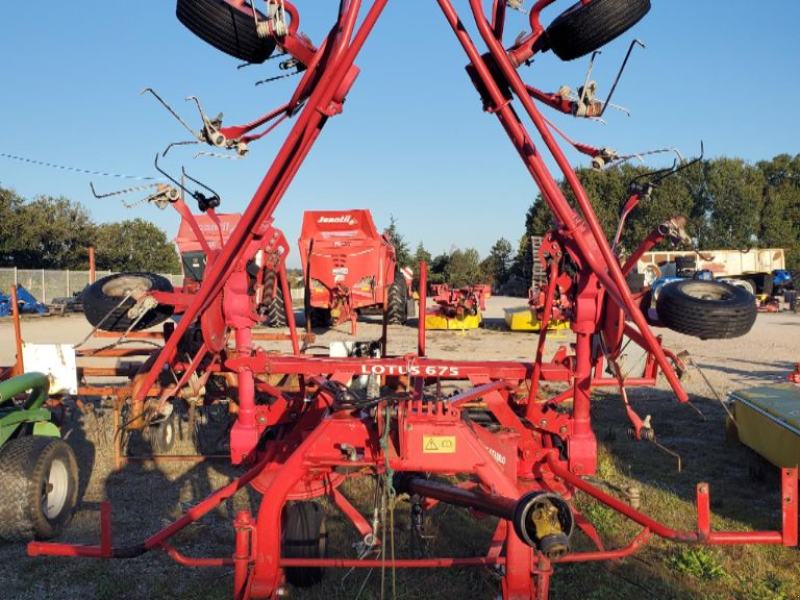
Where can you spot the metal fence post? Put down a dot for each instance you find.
(44, 290)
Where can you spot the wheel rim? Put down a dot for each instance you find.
(708, 292)
(55, 490)
(126, 285)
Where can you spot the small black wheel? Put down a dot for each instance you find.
(706, 309)
(318, 317)
(38, 487)
(583, 28)
(276, 305)
(106, 302)
(397, 309)
(304, 536)
(162, 434)
(227, 27)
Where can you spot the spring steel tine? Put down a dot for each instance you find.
(138, 188)
(171, 110)
(173, 144)
(218, 155)
(588, 76)
(634, 43)
(201, 184)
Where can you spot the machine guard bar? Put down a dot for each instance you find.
(703, 535)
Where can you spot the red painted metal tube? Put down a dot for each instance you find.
(19, 367)
(661, 530)
(423, 304)
(188, 561)
(498, 506)
(640, 540)
(544, 325)
(616, 287)
(421, 563)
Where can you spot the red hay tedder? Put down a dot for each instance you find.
(302, 441)
(347, 267)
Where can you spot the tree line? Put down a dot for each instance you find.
(728, 203)
(55, 233)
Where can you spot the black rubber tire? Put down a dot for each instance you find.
(583, 28)
(397, 303)
(706, 309)
(99, 301)
(25, 472)
(276, 307)
(226, 28)
(304, 536)
(319, 317)
(162, 435)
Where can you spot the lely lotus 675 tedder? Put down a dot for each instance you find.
(347, 267)
(531, 450)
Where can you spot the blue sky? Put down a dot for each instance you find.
(412, 142)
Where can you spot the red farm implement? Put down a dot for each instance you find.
(302, 440)
(348, 266)
(460, 308)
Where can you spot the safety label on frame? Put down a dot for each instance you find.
(439, 444)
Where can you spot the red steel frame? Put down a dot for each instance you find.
(541, 449)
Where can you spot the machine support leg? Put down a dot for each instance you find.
(241, 559)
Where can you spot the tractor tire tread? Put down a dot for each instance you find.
(584, 28)
(397, 301)
(706, 319)
(304, 536)
(226, 28)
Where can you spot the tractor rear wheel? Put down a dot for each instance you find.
(706, 309)
(583, 28)
(38, 487)
(107, 301)
(304, 536)
(397, 303)
(227, 27)
(276, 306)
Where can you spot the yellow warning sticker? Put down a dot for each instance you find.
(439, 444)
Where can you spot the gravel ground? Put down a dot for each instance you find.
(146, 497)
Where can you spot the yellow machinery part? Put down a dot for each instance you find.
(436, 320)
(768, 421)
(522, 318)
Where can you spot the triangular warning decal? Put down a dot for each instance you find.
(431, 445)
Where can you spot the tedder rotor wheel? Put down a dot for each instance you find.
(107, 301)
(227, 27)
(276, 307)
(304, 536)
(583, 28)
(706, 309)
(38, 487)
(397, 309)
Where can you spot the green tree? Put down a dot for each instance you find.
(135, 245)
(498, 263)
(465, 268)
(51, 233)
(397, 239)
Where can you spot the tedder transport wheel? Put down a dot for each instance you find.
(276, 308)
(227, 27)
(706, 309)
(397, 309)
(583, 28)
(304, 536)
(38, 487)
(106, 307)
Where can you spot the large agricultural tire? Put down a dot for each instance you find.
(276, 307)
(304, 536)
(226, 28)
(318, 317)
(105, 309)
(706, 309)
(38, 488)
(397, 302)
(583, 28)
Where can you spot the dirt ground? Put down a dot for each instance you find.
(146, 497)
